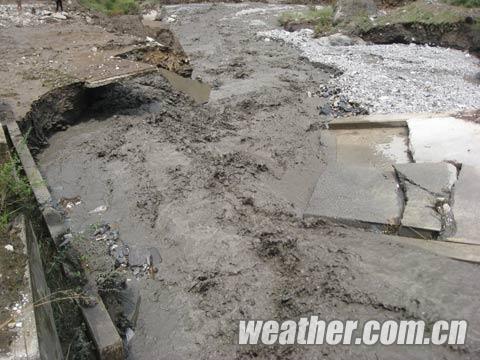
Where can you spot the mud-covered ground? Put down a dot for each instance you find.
(219, 190)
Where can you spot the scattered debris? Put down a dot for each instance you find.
(120, 254)
(339, 105)
(69, 203)
(9, 247)
(99, 209)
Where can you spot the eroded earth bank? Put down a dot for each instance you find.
(219, 189)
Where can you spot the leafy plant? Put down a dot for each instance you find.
(320, 18)
(15, 191)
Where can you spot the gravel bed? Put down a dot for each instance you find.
(394, 78)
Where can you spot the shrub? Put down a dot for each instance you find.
(321, 18)
(466, 3)
(112, 7)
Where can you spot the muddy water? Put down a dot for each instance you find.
(218, 190)
(198, 91)
(378, 147)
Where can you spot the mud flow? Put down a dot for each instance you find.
(187, 199)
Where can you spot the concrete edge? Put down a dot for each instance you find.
(48, 340)
(25, 345)
(108, 342)
(109, 339)
(359, 224)
(416, 232)
(380, 120)
(102, 82)
(457, 251)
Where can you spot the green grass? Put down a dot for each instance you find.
(321, 19)
(15, 191)
(466, 3)
(420, 13)
(112, 7)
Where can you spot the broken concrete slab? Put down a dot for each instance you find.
(445, 139)
(425, 185)
(356, 194)
(466, 207)
(436, 178)
(420, 219)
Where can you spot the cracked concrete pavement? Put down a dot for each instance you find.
(421, 197)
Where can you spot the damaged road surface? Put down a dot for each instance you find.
(204, 205)
(398, 176)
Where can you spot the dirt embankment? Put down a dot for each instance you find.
(390, 22)
(461, 35)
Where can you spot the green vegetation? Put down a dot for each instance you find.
(420, 13)
(320, 19)
(15, 192)
(417, 12)
(466, 3)
(112, 7)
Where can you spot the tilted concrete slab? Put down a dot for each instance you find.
(419, 217)
(466, 207)
(356, 194)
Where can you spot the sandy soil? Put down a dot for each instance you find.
(219, 189)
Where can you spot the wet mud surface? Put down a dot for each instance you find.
(218, 190)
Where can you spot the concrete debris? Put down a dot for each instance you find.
(120, 254)
(69, 203)
(106, 233)
(98, 209)
(9, 247)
